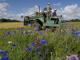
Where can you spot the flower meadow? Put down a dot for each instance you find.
(27, 44)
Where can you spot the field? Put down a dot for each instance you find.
(19, 42)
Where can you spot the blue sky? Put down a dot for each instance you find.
(17, 7)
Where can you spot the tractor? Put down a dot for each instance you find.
(39, 20)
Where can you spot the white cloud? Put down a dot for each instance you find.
(57, 4)
(3, 6)
(70, 12)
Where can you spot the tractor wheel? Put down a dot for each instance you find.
(35, 25)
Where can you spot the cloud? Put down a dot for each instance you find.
(3, 6)
(57, 4)
(18, 16)
(70, 12)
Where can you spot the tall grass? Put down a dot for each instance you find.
(60, 43)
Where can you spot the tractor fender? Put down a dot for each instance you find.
(38, 21)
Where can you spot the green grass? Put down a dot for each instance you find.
(54, 46)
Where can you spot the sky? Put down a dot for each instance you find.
(13, 9)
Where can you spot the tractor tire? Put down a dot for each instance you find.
(35, 25)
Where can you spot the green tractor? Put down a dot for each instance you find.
(40, 21)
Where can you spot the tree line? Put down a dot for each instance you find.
(8, 20)
(73, 20)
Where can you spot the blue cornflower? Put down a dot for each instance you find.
(18, 48)
(43, 41)
(29, 48)
(3, 52)
(79, 35)
(5, 58)
(5, 30)
(8, 32)
(38, 48)
(2, 36)
(67, 47)
(41, 56)
(73, 32)
(0, 51)
(21, 28)
(38, 53)
(14, 33)
(18, 29)
(47, 50)
(78, 32)
(67, 31)
(38, 39)
(40, 32)
(40, 43)
(25, 23)
(64, 49)
(36, 30)
(33, 43)
(13, 44)
(48, 57)
(22, 59)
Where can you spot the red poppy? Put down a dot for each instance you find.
(37, 41)
(24, 48)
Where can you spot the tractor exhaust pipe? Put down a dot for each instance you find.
(39, 11)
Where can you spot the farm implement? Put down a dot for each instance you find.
(39, 20)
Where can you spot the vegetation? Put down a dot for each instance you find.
(8, 20)
(27, 44)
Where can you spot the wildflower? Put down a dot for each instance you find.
(24, 48)
(29, 48)
(21, 28)
(13, 44)
(10, 42)
(8, 32)
(40, 43)
(5, 58)
(73, 29)
(29, 30)
(41, 56)
(37, 41)
(18, 48)
(67, 31)
(38, 48)
(33, 43)
(2, 36)
(36, 30)
(18, 29)
(43, 41)
(22, 59)
(25, 32)
(47, 50)
(3, 52)
(0, 51)
(64, 49)
(79, 35)
(25, 23)
(38, 53)
(67, 47)
(40, 32)
(73, 57)
(14, 31)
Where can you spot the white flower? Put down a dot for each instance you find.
(61, 30)
(10, 42)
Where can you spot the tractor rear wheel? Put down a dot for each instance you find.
(35, 25)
